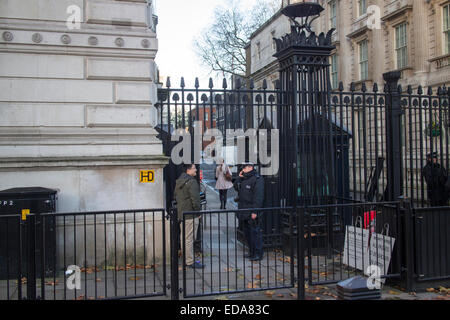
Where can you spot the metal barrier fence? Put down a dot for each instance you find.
(432, 243)
(338, 251)
(123, 254)
(226, 269)
(10, 257)
(87, 255)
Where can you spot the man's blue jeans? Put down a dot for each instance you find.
(256, 240)
(253, 235)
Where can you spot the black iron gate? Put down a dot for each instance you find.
(347, 159)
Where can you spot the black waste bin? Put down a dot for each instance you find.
(15, 246)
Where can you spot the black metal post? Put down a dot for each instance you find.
(408, 236)
(393, 136)
(300, 253)
(31, 263)
(174, 232)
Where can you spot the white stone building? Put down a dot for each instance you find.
(373, 37)
(76, 105)
(77, 102)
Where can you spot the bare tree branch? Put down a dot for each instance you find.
(221, 46)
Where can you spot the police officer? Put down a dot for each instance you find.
(251, 195)
(435, 176)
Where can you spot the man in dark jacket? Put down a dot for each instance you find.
(251, 195)
(435, 176)
(187, 195)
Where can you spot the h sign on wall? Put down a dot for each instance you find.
(147, 176)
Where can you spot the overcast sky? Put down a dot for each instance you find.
(179, 23)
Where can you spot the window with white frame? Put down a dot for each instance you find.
(363, 60)
(362, 8)
(446, 28)
(333, 14)
(401, 46)
(334, 71)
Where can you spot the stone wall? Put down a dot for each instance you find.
(77, 105)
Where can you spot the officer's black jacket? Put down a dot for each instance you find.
(435, 176)
(251, 193)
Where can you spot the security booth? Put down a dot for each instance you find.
(20, 239)
(323, 141)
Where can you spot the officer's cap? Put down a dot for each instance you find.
(432, 155)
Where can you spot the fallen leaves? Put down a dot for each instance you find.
(120, 268)
(312, 235)
(252, 285)
(441, 298)
(89, 270)
(51, 283)
(286, 260)
(394, 292)
(326, 293)
(441, 290)
(270, 293)
(444, 290)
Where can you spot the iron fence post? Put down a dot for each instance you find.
(300, 253)
(393, 136)
(174, 277)
(31, 263)
(409, 242)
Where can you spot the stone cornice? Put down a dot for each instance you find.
(396, 13)
(111, 30)
(114, 42)
(156, 161)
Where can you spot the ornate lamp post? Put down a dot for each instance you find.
(304, 117)
(303, 10)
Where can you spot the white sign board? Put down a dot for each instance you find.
(355, 247)
(380, 252)
(363, 249)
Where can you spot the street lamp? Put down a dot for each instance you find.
(303, 10)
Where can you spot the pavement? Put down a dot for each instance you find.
(314, 292)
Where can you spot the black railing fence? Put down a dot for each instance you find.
(226, 268)
(337, 251)
(85, 255)
(432, 243)
(424, 128)
(344, 143)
